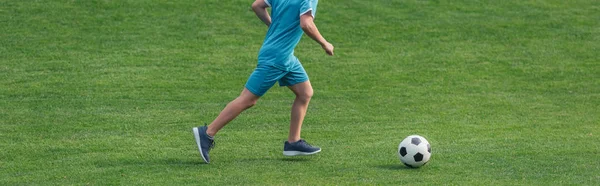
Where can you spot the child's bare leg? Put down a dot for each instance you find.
(303, 93)
(246, 100)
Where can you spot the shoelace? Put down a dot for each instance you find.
(304, 143)
(212, 144)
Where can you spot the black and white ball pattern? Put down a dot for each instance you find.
(414, 151)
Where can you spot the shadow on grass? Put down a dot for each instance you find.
(191, 162)
(275, 159)
(395, 167)
(184, 162)
(295, 159)
(148, 162)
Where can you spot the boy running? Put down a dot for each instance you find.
(289, 19)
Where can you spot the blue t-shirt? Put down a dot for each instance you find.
(284, 32)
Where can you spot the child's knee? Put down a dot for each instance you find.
(305, 95)
(248, 102)
(244, 103)
(251, 103)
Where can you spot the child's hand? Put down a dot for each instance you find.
(328, 47)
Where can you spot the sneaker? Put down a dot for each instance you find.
(204, 142)
(299, 148)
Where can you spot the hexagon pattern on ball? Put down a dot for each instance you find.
(414, 151)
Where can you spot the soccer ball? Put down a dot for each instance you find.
(414, 151)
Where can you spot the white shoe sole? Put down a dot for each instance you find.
(299, 153)
(197, 136)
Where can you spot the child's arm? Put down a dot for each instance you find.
(260, 8)
(309, 27)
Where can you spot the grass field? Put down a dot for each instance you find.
(105, 92)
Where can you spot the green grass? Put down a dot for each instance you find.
(106, 92)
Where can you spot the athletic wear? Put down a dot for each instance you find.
(284, 32)
(265, 76)
(276, 63)
(299, 148)
(204, 142)
(276, 60)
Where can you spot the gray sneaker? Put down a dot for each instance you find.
(299, 148)
(204, 142)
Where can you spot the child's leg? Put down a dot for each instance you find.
(246, 100)
(303, 93)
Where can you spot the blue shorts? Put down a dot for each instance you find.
(265, 76)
